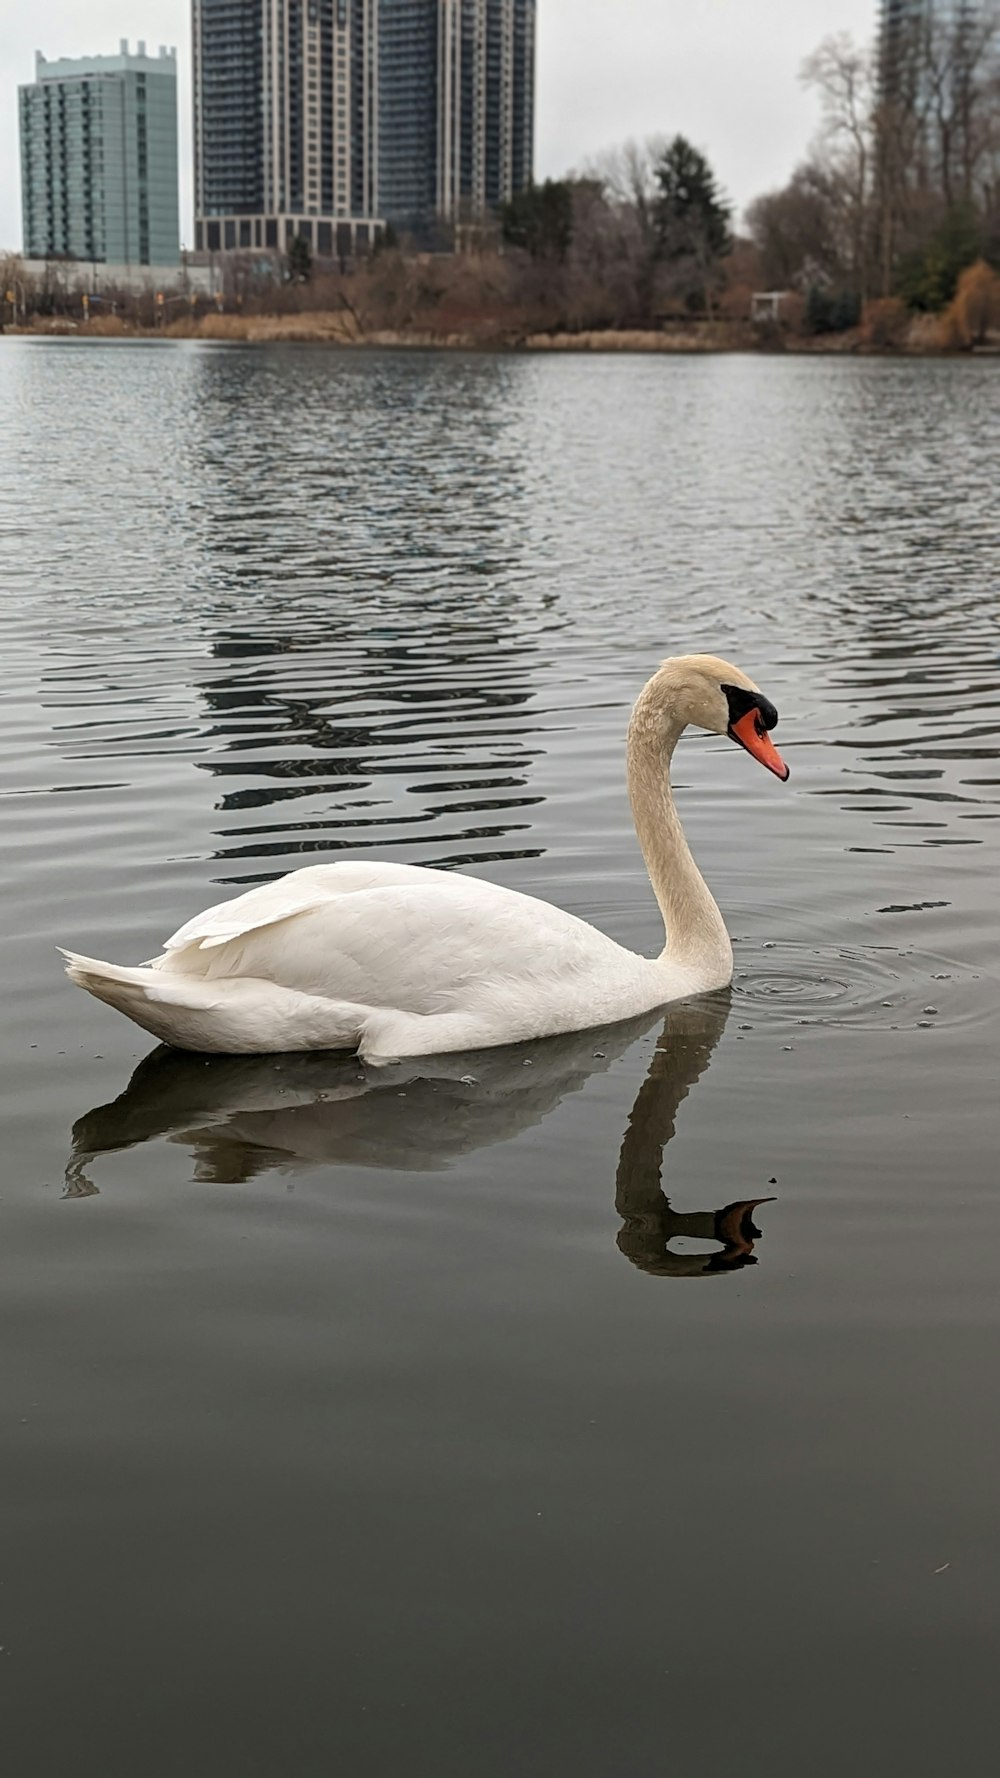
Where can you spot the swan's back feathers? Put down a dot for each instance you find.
(297, 893)
(419, 941)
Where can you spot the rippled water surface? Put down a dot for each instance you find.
(445, 1420)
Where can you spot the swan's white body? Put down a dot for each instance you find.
(395, 960)
(390, 959)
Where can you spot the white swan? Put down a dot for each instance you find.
(397, 960)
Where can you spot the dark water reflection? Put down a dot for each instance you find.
(336, 1433)
(242, 1117)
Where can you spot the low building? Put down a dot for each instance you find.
(765, 305)
(104, 279)
(99, 158)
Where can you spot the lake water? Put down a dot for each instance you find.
(384, 1423)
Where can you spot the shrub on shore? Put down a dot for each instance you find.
(885, 323)
(973, 315)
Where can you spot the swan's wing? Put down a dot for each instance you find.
(353, 942)
(246, 913)
(298, 893)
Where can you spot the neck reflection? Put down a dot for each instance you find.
(245, 1116)
(650, 1224)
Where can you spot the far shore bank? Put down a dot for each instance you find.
(338, 330)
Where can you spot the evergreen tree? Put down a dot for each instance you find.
(299, 260)
(929, 277)
(540, 219)
(692, 216)
(831, 311)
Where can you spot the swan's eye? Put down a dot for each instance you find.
(742, 702)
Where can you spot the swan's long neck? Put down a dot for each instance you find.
(695, 933)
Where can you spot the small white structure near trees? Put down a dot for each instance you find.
(765, 305)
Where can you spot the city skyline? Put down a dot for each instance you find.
(719, 78)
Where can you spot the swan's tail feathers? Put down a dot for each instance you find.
(153, 1000)
(107, 980)
(121, 985)
(241, 1015)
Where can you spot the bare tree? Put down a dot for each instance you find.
(844, 76)
(937, 125)
(798, 232)
(617, 221)
(627, 176)
(961, 67)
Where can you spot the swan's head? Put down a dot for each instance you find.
(712, 694)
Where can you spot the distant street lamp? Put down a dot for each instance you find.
(10, 296)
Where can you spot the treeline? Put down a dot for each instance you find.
(642, 235)
(901, 192)
(897, 199)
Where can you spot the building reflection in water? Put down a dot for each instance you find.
(377, 612)
(242, 1117)
(351, 632)
(364, 743)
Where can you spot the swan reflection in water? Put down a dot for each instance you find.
(242, 1116)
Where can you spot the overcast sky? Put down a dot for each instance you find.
(724, 72)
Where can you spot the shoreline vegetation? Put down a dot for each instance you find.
(921, 336)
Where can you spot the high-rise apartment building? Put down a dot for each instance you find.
(455, 108)
(327, 118)
(925, 41)
(99, 158)
(285, 137)
(408, 63)
(939, 69)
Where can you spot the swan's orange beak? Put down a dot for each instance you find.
(750, 732)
